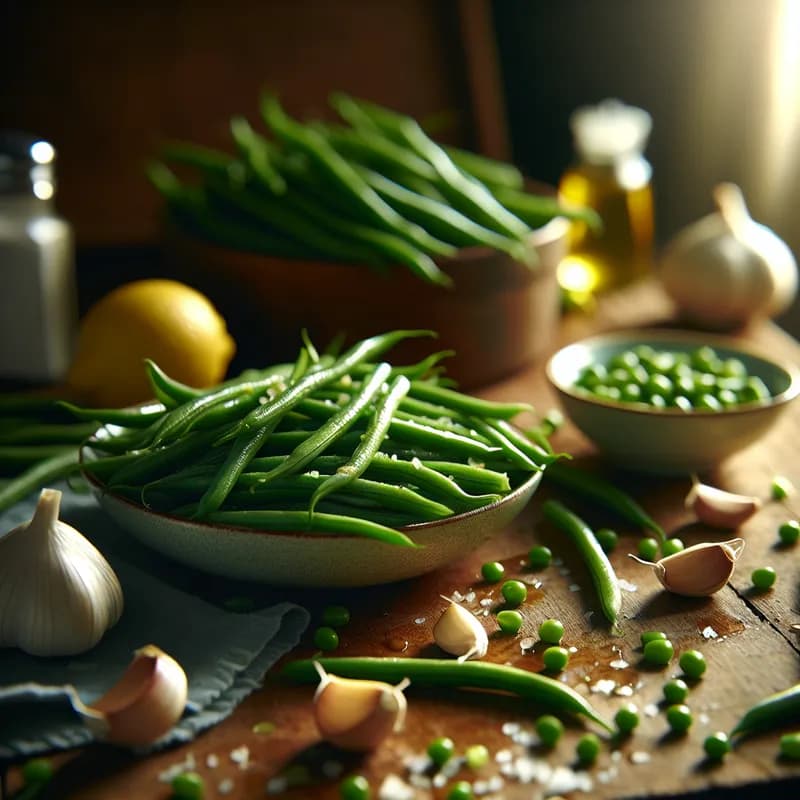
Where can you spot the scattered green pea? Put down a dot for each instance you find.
(627, 718)
(650, 636)
(461, 790)
(679, 718)
(549, 729)
(37, 771)
(659, 652)
(551, 631)
(476, 756)
(335, 616)
(607, 539)
(717, 745)
(515, 592)
(555, 658)
(188, 786)
(648, 549)
(326, 638)
(354, 787)
(588, 748)
(492, 571)
(672, 546)
(441, 750)
(540, 557)
(510, 621)
(693, 663)
(781, 487)
(789, 532)
(790, 746)
(675, 691)
(763, 578)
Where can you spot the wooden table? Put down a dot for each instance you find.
(746, 638)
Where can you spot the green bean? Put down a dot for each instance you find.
(470, 477)
(455, 674)
(487, 170)
(48, 433)
(538, 210)
(600, 569)
(257, 155)
(58, 466)
(138, 417)
(445, 424)
(366, 450)
(12, 457)
(27, 404)
(513, 453)
(417, 433)
(473, 406)
(543, 456)
(771, 712)
(199, 156)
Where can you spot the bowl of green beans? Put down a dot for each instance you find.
(670, 401)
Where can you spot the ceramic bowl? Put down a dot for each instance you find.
(313, 559)
(669, 441)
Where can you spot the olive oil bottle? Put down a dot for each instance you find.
(612, 176)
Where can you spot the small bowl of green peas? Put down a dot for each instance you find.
(670, 401)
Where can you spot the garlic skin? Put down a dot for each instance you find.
(58, 594)
(143, 704)
(459, 632)
(699, 570)
(357, 714)
(726, 269)
(718, 508)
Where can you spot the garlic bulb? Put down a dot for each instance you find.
(459, 632)
(58, 594)
(727, 269)
(718, 508)
(699, 570)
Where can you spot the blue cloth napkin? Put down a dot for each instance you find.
(224, 654)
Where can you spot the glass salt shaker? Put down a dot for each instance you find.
(38, 293)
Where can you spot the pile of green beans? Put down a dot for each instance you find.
(374, 189)
(335, 443)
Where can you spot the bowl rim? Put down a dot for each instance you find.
(685, 337)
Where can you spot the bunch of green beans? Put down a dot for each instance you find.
(336, 443)
(373, 190)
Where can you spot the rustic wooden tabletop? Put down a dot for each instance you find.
(747, 639)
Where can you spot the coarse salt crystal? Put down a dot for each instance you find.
(225, 786)
(212, 760)
(241, 756)
(604, 686)
(574, 587)
(619, 663)
(419, 620)
(709, 633)
(503, 756)
(395, 788)
(640, 757)
(627, 585)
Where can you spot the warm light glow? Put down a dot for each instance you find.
(576, 274)
(42, 152)
(43, 189)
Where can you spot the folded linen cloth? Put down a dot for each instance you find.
(225, 655)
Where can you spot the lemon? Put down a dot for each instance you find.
(167, 321)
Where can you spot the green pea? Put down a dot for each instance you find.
(705, 359)
(708, 402)
(551, 631)
(492, 571)
(648, 549)
(588, 748)
(693, 663)
(550, 729)
(607, 539)
(354, 787)
(651, 636)
(660, 385)
(37, 771)
(659, 652)
(686, 385)
(336, 616)
(540, 557)
(509, 621)
(679, 718)
(461, 790)
(631, 393)
(781, 488)
(619, 377)
(789, 532)
(717, 745)
(626, 359)
(672, 546)
(763, 578)
(790, 746)
(732, 368)
(644, 352)
(592, 376)
(326, 638)
(555, 658)
(514, 592)
(682, 402)
(658, 401)
(675, 691)
(476, 756)
(754, 391)
(627, 718)
(441, 750)
(728, 398)
(188, 786)
(611, 393)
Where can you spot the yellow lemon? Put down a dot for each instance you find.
(169, 322)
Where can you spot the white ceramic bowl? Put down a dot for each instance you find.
(313, 559)
(669, 441)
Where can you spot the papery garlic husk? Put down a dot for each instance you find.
(699, 570)
(458, 632)
(726, 269)
(718, 508)
(143, 705)
(58, 594)
(357, 714)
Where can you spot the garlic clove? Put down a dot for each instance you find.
(718, 508)
(58, 594)
(357, 714)
(458, 632)
(699, 570)
(144, 704)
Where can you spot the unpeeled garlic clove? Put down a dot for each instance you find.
(143, 705)
(459, 632)
(718, 508)
(357, 714)
(699, 570)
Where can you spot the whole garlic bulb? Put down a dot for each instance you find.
(58, 594)
(726, 269)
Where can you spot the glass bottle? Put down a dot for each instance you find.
(612, 176)
(38, 298)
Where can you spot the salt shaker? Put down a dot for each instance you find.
(38, 294)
